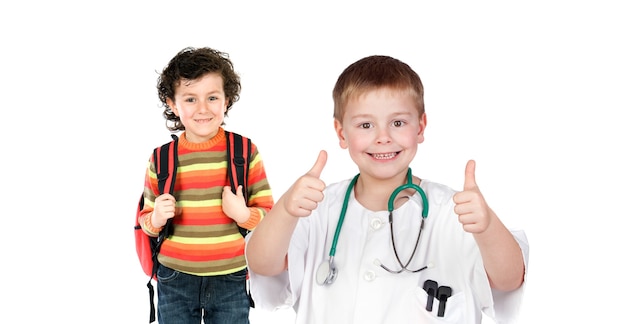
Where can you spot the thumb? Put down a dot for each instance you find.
(240, 191)
(470, 175)
(316, 171)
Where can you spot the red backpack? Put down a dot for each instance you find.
(166, 162)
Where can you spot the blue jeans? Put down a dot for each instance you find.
(187, 299)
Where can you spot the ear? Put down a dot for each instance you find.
(343, 143)
(172, 106)
(422, 123)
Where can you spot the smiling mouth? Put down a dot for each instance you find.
(384, 156)
(204, 120)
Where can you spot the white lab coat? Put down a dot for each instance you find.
(363, 292)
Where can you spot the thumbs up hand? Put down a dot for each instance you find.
(474, 213)
(302, 197)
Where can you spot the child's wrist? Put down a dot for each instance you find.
(147, 225)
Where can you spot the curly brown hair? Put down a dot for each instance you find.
(191, 64)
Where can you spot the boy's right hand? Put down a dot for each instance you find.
(164, 209)
(302, 197)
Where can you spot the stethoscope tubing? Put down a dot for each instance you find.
(332, 270)
(342, 216)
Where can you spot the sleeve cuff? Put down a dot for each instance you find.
(253, 221)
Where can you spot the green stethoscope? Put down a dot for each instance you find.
(327, 271)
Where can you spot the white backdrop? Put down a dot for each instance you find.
(533, 91)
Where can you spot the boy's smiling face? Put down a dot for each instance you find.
(381, 129)
(200, 104)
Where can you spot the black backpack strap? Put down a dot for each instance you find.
(166, 164)
(238, 152)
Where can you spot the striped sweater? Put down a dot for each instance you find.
(206, 242)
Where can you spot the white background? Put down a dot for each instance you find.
(532, 90)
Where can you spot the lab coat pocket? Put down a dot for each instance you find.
(443, 310)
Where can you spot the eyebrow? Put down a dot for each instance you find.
(187, 93)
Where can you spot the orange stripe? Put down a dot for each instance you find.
(203, 221)
(203, 252)
(204, 212)
(205, 173)
(199, 249)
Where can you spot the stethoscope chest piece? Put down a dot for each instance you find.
(326, 273)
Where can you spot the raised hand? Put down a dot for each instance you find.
(473, 211)
(302, 197)
(234, 205)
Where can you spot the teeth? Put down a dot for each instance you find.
(384, 156)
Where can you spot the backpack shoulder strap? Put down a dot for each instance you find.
(238, 150)
(165, 163)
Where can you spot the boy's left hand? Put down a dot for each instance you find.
(234, 206)
(473, 211)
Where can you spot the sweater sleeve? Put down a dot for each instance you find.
(149, 195)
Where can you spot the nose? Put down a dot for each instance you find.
(383, 136)
(203, 106)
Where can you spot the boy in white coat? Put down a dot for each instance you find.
(358, 251)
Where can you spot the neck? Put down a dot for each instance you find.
(374, 193)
